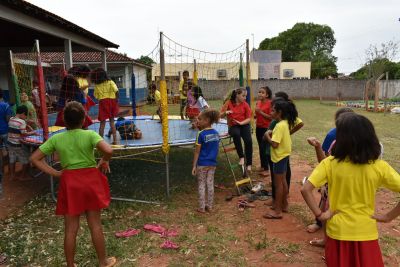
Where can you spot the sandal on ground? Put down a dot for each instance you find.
(154, 228)
(111, 261)
(169, 245)
(242, 204)
(169, 233)
(317, 243)
(3, 258)
(312, 228)
(272, 216)
(127, 233)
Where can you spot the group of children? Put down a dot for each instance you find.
(350, 167)
(75, 88)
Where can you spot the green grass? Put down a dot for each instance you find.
(34, 236)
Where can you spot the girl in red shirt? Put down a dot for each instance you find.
(263, 119)
(238, 113)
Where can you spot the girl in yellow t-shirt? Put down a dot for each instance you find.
(106, 91)
(353, 173)
(285, 113)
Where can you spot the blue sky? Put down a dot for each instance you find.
(212, 25)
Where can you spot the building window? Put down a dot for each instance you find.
(221, 73)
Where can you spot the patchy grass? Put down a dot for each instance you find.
(34, 236)
(389, 245)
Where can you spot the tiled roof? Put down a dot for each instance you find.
(79, 57)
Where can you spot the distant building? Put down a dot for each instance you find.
(205, 71)
(268, 63)
(295, 70)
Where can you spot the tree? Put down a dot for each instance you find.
(307, 42)
(145, 60)
(379, 60)
(148, 61)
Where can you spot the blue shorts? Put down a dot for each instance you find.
(280, 167)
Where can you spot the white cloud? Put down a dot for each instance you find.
(220, 25)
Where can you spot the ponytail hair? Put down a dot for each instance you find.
(288, 111)
(197, 92)
(236, 92)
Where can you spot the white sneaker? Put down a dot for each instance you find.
(257, 187)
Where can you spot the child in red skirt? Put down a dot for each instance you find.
(353, 173)
(106, 91)
(83, 186)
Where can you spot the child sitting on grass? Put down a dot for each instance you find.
(83, 186)
(205, 158)
(17, 151)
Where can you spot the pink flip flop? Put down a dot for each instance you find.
(169, 245)
(154, 228)
(128, 233)
(169, 233)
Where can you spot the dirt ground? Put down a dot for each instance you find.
(291, 228)
(17, 193)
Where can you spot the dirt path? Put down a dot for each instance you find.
(17, 193)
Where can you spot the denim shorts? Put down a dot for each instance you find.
(280, 167)
(18, 153)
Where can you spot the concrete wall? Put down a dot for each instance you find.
(390, 88)
(327, 89)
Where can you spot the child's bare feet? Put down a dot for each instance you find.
(111, 261)
(201, 210)
(312, 228)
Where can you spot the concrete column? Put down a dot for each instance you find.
(68, 53)
(127, 81)
(104, 60)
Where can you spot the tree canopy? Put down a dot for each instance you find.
(306, 42)
(379, 59)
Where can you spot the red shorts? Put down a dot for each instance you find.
(60, 120)
(81, 190)
(192, 112)
(352, 253)
(108, 108)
